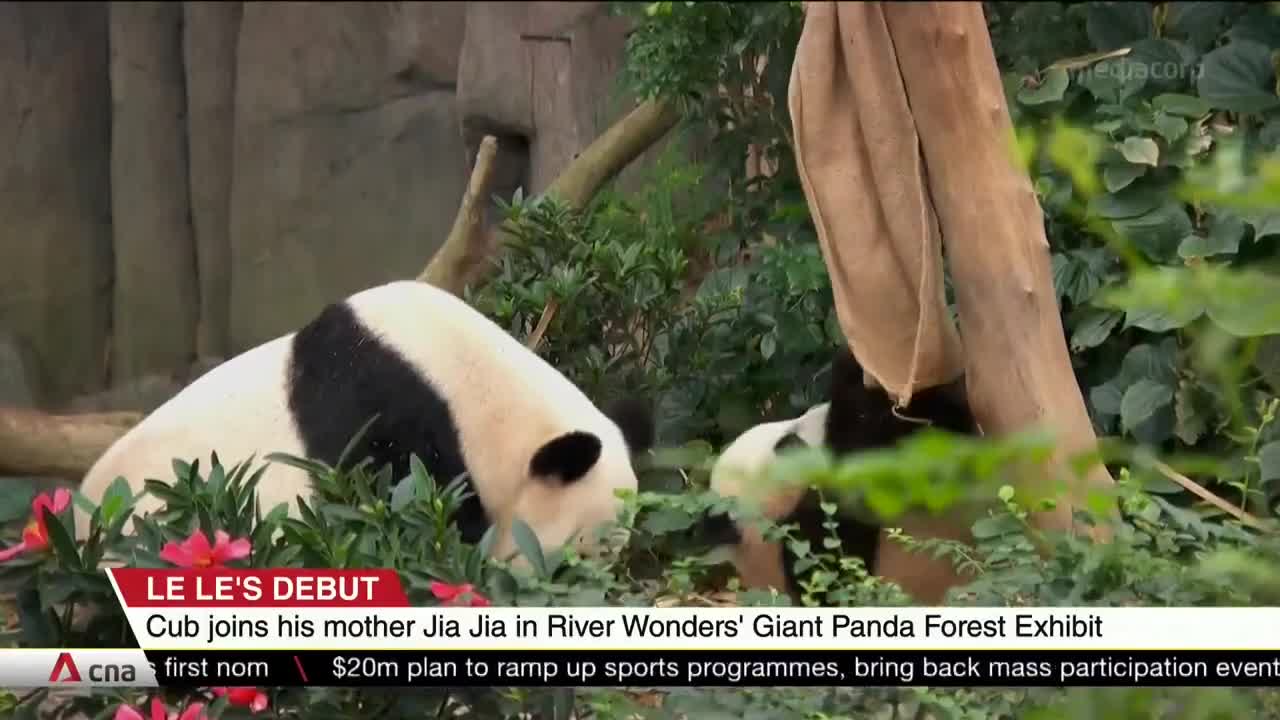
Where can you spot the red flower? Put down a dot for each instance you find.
(249, 697)
(195, 551)
(35, 536)
(194, 711)
(458, 595)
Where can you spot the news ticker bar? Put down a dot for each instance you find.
(673, 668)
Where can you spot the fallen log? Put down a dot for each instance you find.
(35, 443)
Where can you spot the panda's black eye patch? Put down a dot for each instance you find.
(568, 457)
(789, 441)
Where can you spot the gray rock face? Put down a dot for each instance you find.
(15, 376)
(540, 76)
(348, 166)
(55, 236)
(156, 298)
(183, 180)
(210, 32)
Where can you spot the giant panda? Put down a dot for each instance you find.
(445, 383)
(855, 418)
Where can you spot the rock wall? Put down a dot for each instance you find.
(55, 192)
(155, 301)
(182, 181)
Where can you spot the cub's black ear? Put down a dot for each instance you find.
(789, 441)
(716, 529)
(846, 371)
(566, 458)
(634, 418)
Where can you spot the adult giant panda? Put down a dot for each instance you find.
(446, 384)
(857, 417)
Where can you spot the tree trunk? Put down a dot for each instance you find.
(902, 145)
(456, 260)
(1018, 367)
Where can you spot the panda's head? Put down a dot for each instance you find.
(738, 473)
(857, 417)
(574, 478)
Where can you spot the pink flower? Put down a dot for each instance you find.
(249, 697)
(194, 711)
(458, 595)
(195, 551)
(35, 536)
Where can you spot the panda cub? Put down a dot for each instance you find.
(445, 383)
(856, 418)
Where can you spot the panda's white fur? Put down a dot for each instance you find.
(499, 401)
(737, 473)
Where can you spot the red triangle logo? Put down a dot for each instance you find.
(65, 663)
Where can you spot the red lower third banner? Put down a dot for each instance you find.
(228, 587)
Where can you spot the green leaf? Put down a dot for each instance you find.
(527, 542)
(1161, 63)
(1117, 177)
(1113, 25)
(993, 527)
(1150, 361)
(1078, 274)
(1142, 400)
(1223, 239)
(1265, 222)
(60, 539)
(403, 494)
(117, 498)
(1269, 460)
(1171, 128)
(1051, 89)
(1094, 329)
(1157, 233)
(1239, 77)
(667, 520)
(1187, 106)
(1132, 201)
(1140, 151)
(1106, 398)
(1162, 319)
(1200, 23)
(1246, 303)
(768, 345)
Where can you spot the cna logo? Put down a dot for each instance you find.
(110, 673)
(65, 663)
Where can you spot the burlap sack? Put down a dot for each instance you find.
(864, 177)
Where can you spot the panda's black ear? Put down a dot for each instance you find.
(789, 441)
(634, 418)
(717, 528)
(566, 458)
